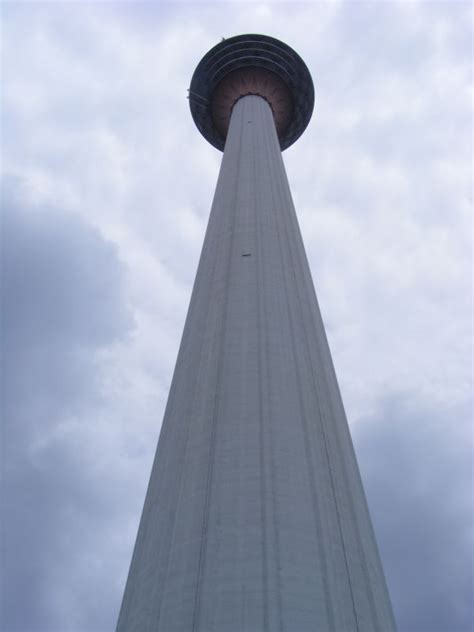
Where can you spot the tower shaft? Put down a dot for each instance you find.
(255, 517)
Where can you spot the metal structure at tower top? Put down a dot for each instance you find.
(251, 65)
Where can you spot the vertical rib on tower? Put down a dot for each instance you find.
(255, 517)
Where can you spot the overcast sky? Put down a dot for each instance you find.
(106, 190)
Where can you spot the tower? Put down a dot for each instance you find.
(255, 517)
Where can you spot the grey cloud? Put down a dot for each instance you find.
(63, 298)
(63, 302)
(416, 464)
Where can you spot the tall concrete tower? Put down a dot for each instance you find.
(255, 519)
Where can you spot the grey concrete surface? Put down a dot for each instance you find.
(255, 517)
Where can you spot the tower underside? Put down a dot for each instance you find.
(255, 517)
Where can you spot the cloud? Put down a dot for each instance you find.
(102, 242)
(416, 464)
(63, 303)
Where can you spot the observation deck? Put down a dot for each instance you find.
(251, 64)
